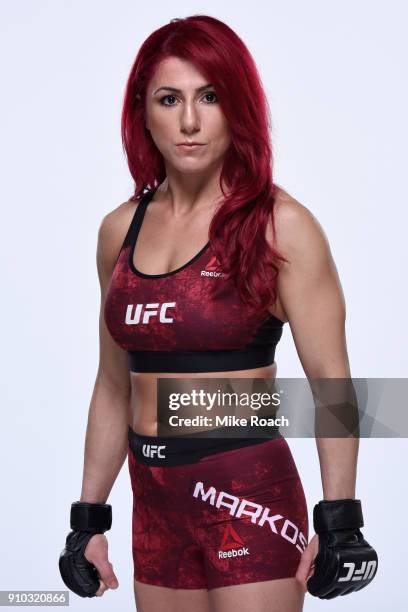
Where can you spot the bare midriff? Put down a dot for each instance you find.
(143, 403)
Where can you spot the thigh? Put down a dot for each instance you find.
(151, 598)
(283, 595)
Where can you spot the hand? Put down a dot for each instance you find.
(306, 566)
(96, 552)
(87, 574)
(345, 561)
(83, 563)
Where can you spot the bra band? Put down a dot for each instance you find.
(202, 361)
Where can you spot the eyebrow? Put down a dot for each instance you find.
(180, 91)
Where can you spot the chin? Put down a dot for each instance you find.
(190, 168)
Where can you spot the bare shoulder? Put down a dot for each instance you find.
(114, 225)
(111, 234)
(298, 232)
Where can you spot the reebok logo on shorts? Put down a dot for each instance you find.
(232, 544)
(259, 515)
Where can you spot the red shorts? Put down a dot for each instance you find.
(232, 517)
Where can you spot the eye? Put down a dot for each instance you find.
(165, 98)
(211, 93)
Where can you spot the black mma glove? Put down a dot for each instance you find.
(345, 562)
(78, 574)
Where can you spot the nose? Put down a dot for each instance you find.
(189, 120)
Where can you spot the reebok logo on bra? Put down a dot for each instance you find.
(232, 544)
(148, 311)
(259, 514)
(210, 268)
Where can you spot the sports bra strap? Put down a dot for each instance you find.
(134, 227)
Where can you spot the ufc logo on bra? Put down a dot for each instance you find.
(148, 311)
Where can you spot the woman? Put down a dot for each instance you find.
(199, 271)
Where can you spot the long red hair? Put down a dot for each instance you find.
(237, 230)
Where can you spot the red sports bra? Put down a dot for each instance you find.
(169, 323)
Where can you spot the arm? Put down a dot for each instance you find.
(84, 563)
(337, 560)
(106, 435)
(311, 295)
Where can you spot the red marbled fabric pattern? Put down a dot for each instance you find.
(182, 540)
(199, 323)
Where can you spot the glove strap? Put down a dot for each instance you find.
(337, 514)
(96, 518)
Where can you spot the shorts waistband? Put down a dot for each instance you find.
(183, 449)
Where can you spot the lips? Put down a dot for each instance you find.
(190, 147)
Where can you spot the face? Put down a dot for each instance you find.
(182, 106)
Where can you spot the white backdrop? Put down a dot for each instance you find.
(336, 81)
